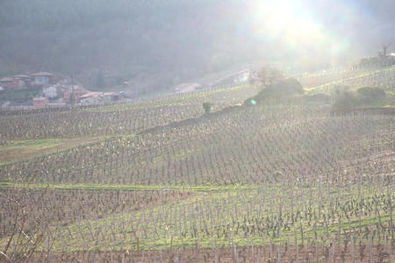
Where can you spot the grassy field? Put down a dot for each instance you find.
(101, 187)
(161, 181)
(18, 150)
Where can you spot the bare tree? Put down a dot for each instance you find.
(265, 76)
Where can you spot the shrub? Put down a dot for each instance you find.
(207, 107)
(345, 102)
(318, 98)
(370, 95)
(265, 76)
(283, 88)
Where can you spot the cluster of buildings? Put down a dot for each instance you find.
(27, 81)
(52, 90)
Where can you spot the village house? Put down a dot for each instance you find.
(94, 97)
(40, 102)
(109, 97)
(91, 98)
(23, 81)
(42, 78)
(73, 94)
(8, 83)
(51, 92)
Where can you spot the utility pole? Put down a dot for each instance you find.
(72, 91)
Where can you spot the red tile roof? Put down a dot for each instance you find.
(6, 79)
(92, 94)
(42, 74)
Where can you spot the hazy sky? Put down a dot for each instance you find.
(313, 31)
(194, 35)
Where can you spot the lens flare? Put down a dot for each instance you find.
(294, 28)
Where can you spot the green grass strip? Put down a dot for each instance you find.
(100, 187)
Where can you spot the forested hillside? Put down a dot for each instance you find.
(166, 40)
(160, 43)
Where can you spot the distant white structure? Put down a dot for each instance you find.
(94, 97)
(187, 87)
(243, 77)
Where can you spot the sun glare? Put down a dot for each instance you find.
(285, 18)
(295, 26)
